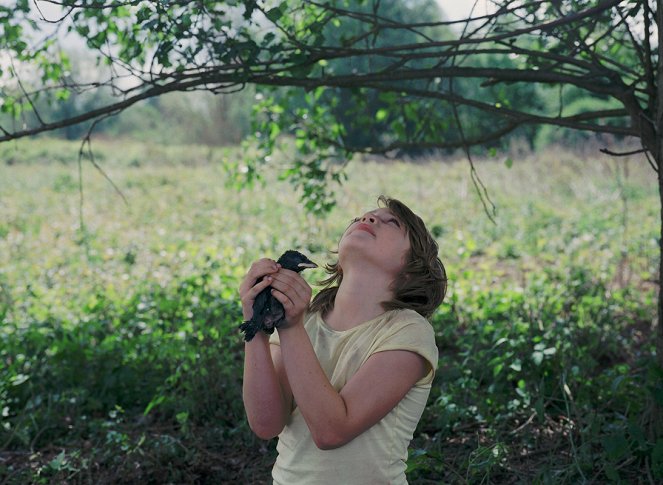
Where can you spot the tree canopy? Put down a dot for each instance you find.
(391, 73)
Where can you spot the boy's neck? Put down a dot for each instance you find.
(358, 300)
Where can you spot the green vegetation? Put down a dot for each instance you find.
(120, 359)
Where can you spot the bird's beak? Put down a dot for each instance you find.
(307, 265)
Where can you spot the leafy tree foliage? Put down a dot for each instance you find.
(387, 73)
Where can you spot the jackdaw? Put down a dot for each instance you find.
(268, 313)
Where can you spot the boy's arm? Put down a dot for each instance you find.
(335, 418)
(265, 390)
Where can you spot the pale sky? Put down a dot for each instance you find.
(455, 9)
(459, 9)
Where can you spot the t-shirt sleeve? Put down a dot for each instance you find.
(412, 332)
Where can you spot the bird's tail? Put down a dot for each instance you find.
(250, 328)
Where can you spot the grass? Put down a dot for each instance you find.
(119, 355)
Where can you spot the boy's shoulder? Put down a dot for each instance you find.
(407, 316)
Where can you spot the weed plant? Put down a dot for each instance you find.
(121, 362)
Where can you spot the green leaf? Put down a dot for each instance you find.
(274, 14)
(381, 115)
(616, 382)
(616, 446)
(57, 462)
(611, 472)
(497, 369)
(508, 162)
(537, 357)
(182, 417)
(153, 403)
(388, 97)
(62, 94)
(143, 14)
(19, 379)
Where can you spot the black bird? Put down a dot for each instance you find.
(268, 313)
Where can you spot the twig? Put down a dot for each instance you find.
(529, 420)
(622, 154)
(476, 180)
(43, 17)
(25, 93)
(81, 152)
(88, 141)
(481, 189)
(568, 412)
(652, 163)
(81, 219)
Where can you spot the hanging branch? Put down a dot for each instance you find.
(87, 142)
(479, 186)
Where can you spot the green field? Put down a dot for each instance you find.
(120, 359)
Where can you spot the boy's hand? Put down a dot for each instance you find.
(293, 292)
(248, 290)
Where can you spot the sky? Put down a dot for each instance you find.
(455, 9)
(459, 9)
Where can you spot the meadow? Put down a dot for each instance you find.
(120, 357)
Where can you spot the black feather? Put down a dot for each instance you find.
(268, 313)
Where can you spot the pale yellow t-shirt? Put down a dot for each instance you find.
(378, 455)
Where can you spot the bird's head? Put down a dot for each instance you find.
(295, 261)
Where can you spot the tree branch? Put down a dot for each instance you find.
(622, 154)
(401, 145)
(543, 27)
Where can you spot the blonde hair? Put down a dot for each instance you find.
(421, 285)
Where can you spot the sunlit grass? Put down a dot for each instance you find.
(550, 209)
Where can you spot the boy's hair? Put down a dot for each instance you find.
(422, 283)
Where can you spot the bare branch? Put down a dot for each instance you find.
(506, 32)
(649, 67)
(622, 154)
(375, 81)
(404, 145)
(43, 17)
(87, 141)
(93, 6)
(543, 27)
(99, 112)
(388, 23)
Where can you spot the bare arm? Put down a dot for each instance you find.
(335, 418)
(266, 393)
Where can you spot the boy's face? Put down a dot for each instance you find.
(378, 237)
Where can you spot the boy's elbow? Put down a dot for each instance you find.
(264, 435)
(329, 440)
(265, 430)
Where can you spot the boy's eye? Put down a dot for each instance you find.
(356, 219)
(394, 221)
